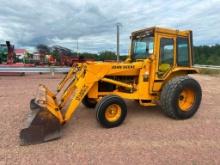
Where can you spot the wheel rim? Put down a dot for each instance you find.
(186, 99)
(113, 113)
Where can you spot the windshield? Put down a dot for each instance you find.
(143, 47)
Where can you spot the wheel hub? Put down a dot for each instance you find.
(186, 99)
(113, 113)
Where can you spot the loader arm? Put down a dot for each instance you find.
(77, 88)
(68, 76)
(46, 121)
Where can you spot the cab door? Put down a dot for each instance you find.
(166, 54)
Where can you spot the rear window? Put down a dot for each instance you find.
(182, 51)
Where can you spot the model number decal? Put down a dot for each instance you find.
(123, 67)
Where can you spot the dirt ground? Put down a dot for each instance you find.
(146, 136)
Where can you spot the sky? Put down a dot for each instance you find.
(27, 23)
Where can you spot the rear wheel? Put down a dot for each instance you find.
(89, 103)
(181, 97)
(111, 111)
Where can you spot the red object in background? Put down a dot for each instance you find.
(11, 54)
(51, 60)
(11, 62)
(18, 64)
(20, 51)
(69, 60)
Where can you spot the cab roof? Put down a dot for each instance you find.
(161, 30)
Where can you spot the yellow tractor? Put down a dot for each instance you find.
(155, 73)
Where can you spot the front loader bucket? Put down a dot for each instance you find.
(42, 127)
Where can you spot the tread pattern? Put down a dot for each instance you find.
(167, 95)
(105, 100)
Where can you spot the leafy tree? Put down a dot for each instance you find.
(55, 53)
(43, 49)
(123, 58)
(107, 55)
(209, 55)
(29, 55)
(89, 55)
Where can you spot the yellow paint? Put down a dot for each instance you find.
(66, 78)
(113, 113)
(117, 83)
(186, 99)
(146, 85)
(93, 92)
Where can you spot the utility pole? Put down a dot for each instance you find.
(77, 48)
(118, 34)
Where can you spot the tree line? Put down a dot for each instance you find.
(56, 52)
(208, 55)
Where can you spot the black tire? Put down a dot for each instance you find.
(171, 94)
(89, 103)
(102, 106)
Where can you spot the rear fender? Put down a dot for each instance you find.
(158, 84)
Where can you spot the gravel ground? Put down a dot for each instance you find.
(146, 136)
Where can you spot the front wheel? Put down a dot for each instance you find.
(181, 97)
(111, 111)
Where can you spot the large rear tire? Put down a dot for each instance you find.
(181, 97)
(111, 111)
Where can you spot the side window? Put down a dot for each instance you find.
(166, 54)
(182, 51)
